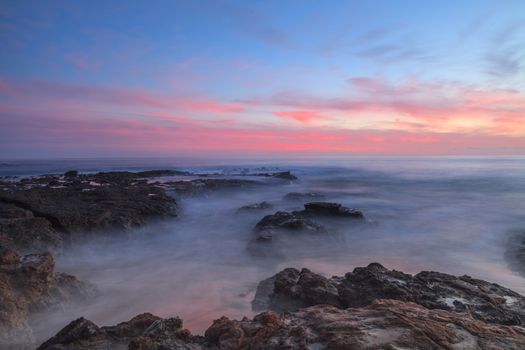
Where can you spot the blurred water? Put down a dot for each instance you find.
(446, 214)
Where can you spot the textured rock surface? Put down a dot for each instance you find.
(47, 212)
(203, 186)
(255, 207)
(384, 324)
(28, 284)
(331, 209)
(434, 290)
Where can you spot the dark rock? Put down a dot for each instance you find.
(433, 290)
(158, 173)
(287, 221)
(307, 196)
(286, 175)
(331, 209)
(203, 186)
(515, 251)
(142, 332)
(28, 284)
(49, 216)
(71, 173)
(255, 207)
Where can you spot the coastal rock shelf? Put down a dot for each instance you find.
(29, 285)
(369, 308)
(49, 211)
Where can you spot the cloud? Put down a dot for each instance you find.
(304, 117)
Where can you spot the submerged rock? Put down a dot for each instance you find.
(270, 226)
(28, 285)
(485, 301)
(202, 186)
(331, 209)
(515, 251)
(255, 207)
(306, 196)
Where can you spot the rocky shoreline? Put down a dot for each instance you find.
(369, 308)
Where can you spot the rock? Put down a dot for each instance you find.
(36, 214)
(142, 332)
(272, 225)
(384, 324)
(323, 319)
(71, 173)
(158, 173)
(255, 207)
(203, 186)
(515, 251)
(286, 175)
(307, 196)
(331, 209)
(28, 284)
(485, 301)
(292, 289)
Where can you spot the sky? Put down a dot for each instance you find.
(261, 78)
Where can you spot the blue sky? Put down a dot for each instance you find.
(82, 60)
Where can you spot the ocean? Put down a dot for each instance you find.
(450, 214)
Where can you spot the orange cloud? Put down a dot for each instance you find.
(304, 117)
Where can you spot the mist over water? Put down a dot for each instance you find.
(450, 215)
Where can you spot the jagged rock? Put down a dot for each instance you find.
(483, 300)
(384, 324)
(157, 173)
(143, 332)
(300, 196)
(255, 207)
(28, 284)
(272, 225)
(331, 209)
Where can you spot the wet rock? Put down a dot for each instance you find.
(331, 209)
(203, 186)
(255, 207)
(515, 251)
(286, 175)
(50, 215)
(142, 332)
(71, 173)
(384, 324)
(158, 173)
(323, 319)
(292, 289)
(485, 301)
(271, 226)
(28, 284)
(306, 196)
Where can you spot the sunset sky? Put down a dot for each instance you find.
(261, 78)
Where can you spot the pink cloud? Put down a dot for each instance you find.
(304, 117)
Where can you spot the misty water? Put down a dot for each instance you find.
(452, 215)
